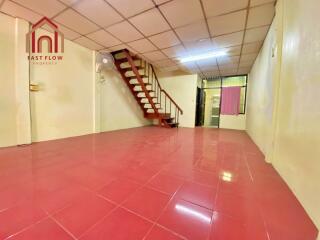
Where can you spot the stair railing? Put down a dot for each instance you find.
(165, 101)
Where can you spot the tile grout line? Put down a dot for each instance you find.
(258, 203)
(117, 205)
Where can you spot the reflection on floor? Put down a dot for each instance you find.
(147, 183)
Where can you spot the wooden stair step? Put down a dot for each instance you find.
(145, 97)
(135, 77)
(140, 91)
(124, 60)
(129, 68)
(138, 84)
(148, 108)
(165, 116)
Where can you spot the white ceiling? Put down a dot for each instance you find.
(161, 31)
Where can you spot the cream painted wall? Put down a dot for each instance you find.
(14, 75)
(295, 93)
(261, 95)
(233, 122)
(64, 106)
(297, 138)
(8, 131)
(183, 89)
(118, 107)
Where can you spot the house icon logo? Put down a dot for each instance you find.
(36, 43)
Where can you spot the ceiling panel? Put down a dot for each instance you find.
(165, 63)
(229, 23)
(228, 60)
(69, 2)
(182, 12)
(126, 47)
(231, 51)
(176, 51)
(16, 10)
(209, 68)
(213, 73)
(246, 64)
(155, 56)
(104, 38)
(129, 8)
(248, 57)
(200, 47)
(125, 31)
(142, 46)
(228, 66)
(161, 1)
(259, 2)
(76, 22)
(118, 47)
(261, 16)
(69, 34)
(219, 7)
(165, 40)
(251, 47)
(150, 22)
(47, 8)
(86, 42)
(208, 63)
(156, 32)
(170, 69)
(228, 40)
(98, 11)
(193, 32)
(229, 72)
(242, 71)
(256, 34)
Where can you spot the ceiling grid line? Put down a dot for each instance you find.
(244, 34)
(182, 43)
(208, 29)
(187, 28)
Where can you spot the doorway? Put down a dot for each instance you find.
(209, 99)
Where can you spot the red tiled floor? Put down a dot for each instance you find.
(45, 230)
(19, 217)
(227, 228)
(158, 233)
(165, 183)
(187, 219)
(119, 190)
(119, 225)
(147, 203)
(201, 195)
(118, 185)
(83, 213)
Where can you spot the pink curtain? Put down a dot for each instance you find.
(230, 102)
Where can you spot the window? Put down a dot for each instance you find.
(238, 81)
(234, 81)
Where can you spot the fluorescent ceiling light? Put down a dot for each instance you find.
(203, 56)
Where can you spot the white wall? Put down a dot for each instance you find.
(14, 114)
(64, 106)
(261, 94)
(118, 107)
(295, 124)
(71, 101)
(183, 90)
(237, 122)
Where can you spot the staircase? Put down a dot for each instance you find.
(143, 83)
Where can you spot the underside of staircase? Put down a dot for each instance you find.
(143, 83)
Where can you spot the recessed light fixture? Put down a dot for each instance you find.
(203, 56)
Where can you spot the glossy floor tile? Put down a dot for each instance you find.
(147, 184)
